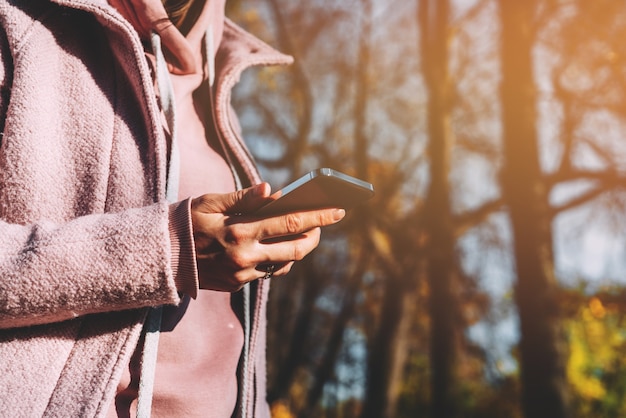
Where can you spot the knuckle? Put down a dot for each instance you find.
(239, 194)
(324, 217)
(232, 199)
(293, 223)
(240, 261)
(231, 236)
(299, 251)
(161, 24)
(235, 234)
(239, 279)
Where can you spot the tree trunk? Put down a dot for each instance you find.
(526, 195)
(379, 347)
(433, 16)
(387, 355)
(291, 339)
(325, 370)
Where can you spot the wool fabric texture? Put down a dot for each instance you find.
(87, 241)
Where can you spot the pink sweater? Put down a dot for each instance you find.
(84, 229)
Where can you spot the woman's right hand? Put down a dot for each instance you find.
(234, 249)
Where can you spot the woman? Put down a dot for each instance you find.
(95, 134)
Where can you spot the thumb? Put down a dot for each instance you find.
(184, 61)
(241, 201)
(150, 15)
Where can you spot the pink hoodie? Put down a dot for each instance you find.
(85, 231)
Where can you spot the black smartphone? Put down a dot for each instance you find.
(319, 189)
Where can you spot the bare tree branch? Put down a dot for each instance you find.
(467, 220)
(577, 201)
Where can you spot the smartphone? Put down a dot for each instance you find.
(319, 189)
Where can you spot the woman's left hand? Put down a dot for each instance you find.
(150, 15)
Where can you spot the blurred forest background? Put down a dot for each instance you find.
(487, 277)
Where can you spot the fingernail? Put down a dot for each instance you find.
(338, 214)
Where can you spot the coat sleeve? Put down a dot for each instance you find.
(5, 80)
(52, 271)
(96, 263)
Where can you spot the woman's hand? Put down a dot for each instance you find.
(233, 249)
(149, 15)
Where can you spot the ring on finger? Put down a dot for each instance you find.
(269, 271)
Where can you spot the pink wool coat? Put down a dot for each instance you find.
(87, 240)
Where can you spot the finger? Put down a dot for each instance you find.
(261, 273)
(252, 254)
(150, 15)
(276, 269)
(241, 201)
(155, 18)
(128, 12)
(288, 250)
(298, 223)
(177, 45)
(252, 199)
(222, 278)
